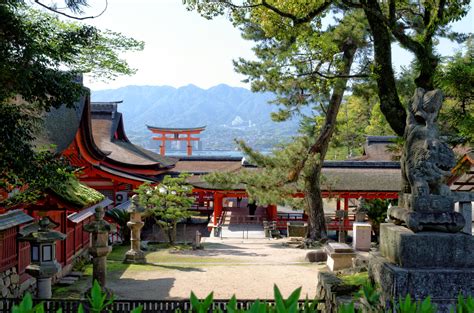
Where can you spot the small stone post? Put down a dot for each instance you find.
(135, 254)
(198, 240)
(99, 249)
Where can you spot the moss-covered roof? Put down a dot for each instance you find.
(78, 194)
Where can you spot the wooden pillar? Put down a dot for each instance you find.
(163, 144)
(217, 207)
(346, 208)
(272, 212)
(189, 147)
(200, 198)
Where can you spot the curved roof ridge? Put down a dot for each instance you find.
(201, 128)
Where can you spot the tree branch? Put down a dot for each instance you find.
(71, 16)
(298, 20)
(334, 76)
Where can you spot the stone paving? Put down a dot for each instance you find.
(247, 268)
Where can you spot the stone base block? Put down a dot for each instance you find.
(407, 249)
(443, 285)
(361, 236)
(339, 261)
(134, 257)
(339, 256)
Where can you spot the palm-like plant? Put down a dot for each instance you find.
(121, 218)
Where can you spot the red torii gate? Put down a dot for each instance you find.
(176, 133)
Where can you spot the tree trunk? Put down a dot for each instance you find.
(317, 152)
(314, 201)
(390, 104)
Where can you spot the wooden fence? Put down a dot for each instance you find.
(149, 306)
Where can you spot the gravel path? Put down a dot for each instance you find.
(247, 269)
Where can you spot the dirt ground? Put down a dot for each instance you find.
(247, 269)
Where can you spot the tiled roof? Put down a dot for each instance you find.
(204, 167)
(82, 215)
(339, 175)
(60, 127)
(106, 122)
(362, 179)
(13, 218)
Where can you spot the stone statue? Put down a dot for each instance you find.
(426, 163)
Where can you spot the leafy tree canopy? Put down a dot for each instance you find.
(41, 58)
(168, 202)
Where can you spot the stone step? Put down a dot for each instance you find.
(76, 274)
(66, 282)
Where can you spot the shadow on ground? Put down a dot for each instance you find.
(221, 250)
(148, 289)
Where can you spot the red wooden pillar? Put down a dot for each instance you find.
(163, 145)
(189, 147)
(217, 207)
(201, 198)
(338, 204)
(346, 208)
(272, 212)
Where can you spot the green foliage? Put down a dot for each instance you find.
(201, 306)
(167, 203)
(346, 308)
(26, 306)
(357, 279)
(376, 212)
(121, 217)
(48, 46)
(464, 305)
(456, 78)
(370, 299)
(40, 59)
(99, 299)
(407, 305)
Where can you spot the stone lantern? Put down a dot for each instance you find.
(135, 254)
(99, 249)
(43, 265)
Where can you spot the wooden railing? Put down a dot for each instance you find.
(149, 306)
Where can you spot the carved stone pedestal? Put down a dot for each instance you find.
(432, 211)
(439, 265)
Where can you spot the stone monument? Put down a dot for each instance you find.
(429, 256)
(99, 249)
(135, 254)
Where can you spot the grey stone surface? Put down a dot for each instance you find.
(443, 285)
(407, 249)
(465, 209)
(316, 256)
(76, 274)
(66, 282)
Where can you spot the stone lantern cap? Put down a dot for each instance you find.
(99, 225)
(135, 207)
(41, 231)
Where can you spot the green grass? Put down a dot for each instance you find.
(357, 279)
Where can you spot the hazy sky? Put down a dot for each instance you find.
(183, 48)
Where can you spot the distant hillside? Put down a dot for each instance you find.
(228, 112)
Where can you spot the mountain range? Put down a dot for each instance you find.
(227, 112)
